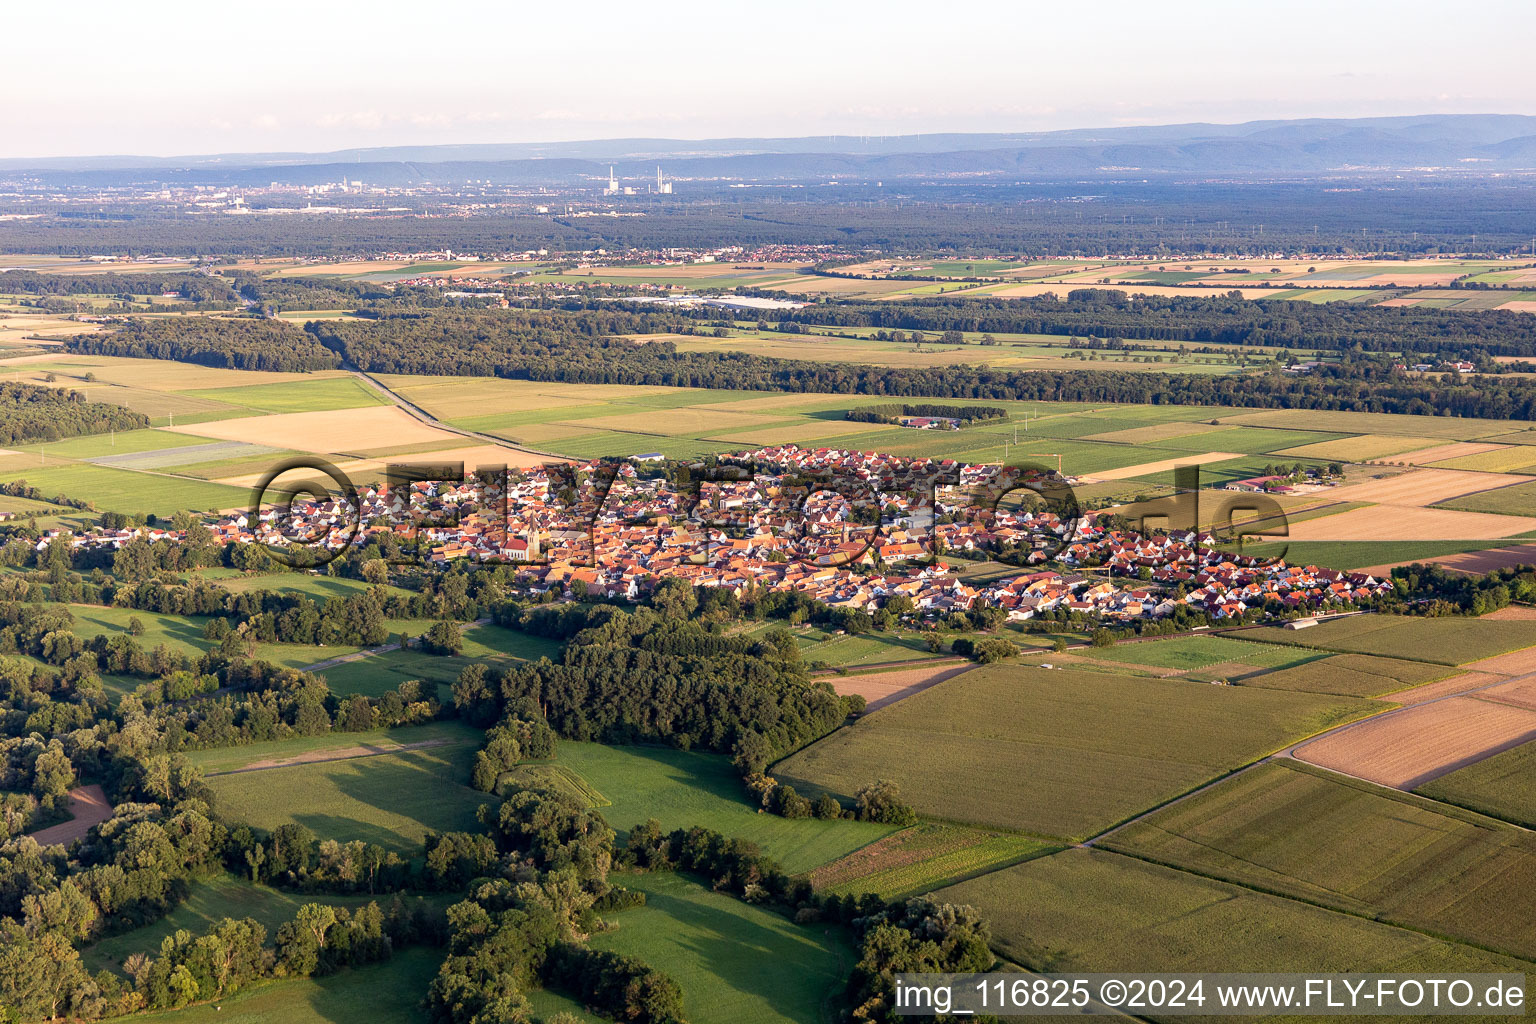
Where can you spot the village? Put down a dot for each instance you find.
(848, 529)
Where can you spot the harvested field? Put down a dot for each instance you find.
(1162, 466)
(1423, 487)
(331, 431)
(1513, 613)
(88, 806)
(1461, 682)
(882, 689)
(1399, 522)
(1512, 664)
(1488, 559)
(1520, 693)
(1404, 749)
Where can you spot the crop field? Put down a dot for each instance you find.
(1448, 428)
(1493, 459)
(1154, 433)
(125, 491)
(1091, 910)
(682, 788)
(1352, 675)
(1422, 487)
(1442, 641)
(1503, 785)
(1097, 747)
(386, 993)
(1519, 500)
(1358, 448)
(297, 396)
(923, 858)
(392, 800)
(1356, 848)
(717, 947)
(1193, 652)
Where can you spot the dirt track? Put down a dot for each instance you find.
(88, 806)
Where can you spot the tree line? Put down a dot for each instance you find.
(554, 347)
(31, 412)
(962, 414)
(229, 342)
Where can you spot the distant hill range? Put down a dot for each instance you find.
(1469, 143)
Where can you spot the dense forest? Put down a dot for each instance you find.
(1034, 219)
(30, 412)
(240, 344)
(1198, 320)
(190, 286)
(572, 347)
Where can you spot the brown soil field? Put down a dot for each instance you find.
(1462, 682)
(882, 689)
(330, 432)
(1440, 453)
(88, 805)
(1515, 663)
(1396, 522)
(1488, 560)
(1405, 749)
(1518, 692)
(1147, 468)
(1425, 486)
(1520, 306)
(1513, 613)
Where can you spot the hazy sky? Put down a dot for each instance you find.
(174, 77)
